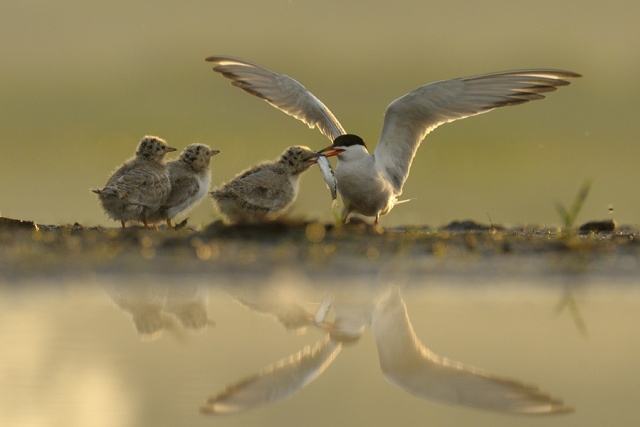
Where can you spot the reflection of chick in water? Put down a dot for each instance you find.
(155, 308)
(189, 304)
(149, 321)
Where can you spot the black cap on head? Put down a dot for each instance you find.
(347, 140)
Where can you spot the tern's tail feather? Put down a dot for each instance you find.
(404, 201)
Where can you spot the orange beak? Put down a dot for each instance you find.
(326, 152)
(170, 149)
(331, 151)
(213, 153)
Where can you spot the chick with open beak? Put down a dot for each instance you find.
(266, 191)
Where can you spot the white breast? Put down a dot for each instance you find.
(203, 186)
(293, 180)
(203, 181)
(362, 186)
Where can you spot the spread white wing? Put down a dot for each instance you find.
(411, 117)
(279, 90)
(407, 363)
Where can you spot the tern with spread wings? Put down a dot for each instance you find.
(370, 184)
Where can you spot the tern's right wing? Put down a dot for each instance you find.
(411, 117)
(279, 90)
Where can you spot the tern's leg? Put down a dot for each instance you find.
(169, 224)
(345, 212)
(122, 222)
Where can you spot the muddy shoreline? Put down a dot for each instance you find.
(460, 251)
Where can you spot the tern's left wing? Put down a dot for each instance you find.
(411, 117)
(407, 363)
(279, 90)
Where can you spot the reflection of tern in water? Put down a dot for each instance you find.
(350, 318)
(407, 363)
(290, 375)
(404, 361)
(158, 307)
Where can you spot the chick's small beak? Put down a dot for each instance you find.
(170, 149)
(331, 151)
(213, 153)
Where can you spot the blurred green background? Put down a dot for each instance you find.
(83, 81)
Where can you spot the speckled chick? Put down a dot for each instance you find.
(140, 186)
(190, 177)
(265, 191)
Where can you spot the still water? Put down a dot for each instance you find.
(154, 353)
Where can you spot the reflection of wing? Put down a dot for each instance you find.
(275, 382)
(407, 363)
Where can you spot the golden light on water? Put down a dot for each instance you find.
(73, 356)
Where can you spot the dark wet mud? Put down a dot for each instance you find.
(462, 250)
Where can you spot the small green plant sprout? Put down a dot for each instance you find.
(568, 216)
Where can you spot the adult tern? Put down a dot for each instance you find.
(370, 184)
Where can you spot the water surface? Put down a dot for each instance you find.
(153, 351)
